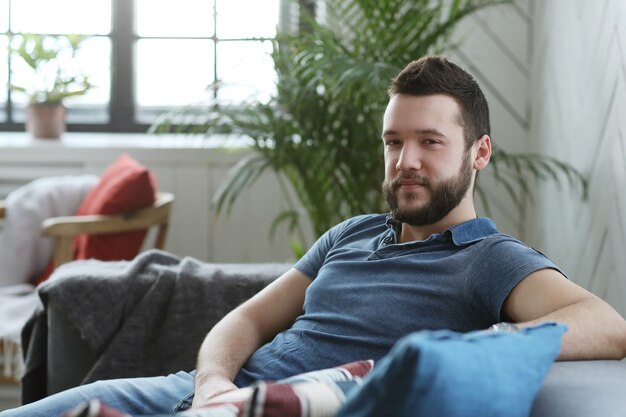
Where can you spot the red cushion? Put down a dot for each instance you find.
(125, 186)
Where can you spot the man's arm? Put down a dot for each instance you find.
(241, 332)
(595, 329)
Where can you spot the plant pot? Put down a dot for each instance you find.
(45, 121)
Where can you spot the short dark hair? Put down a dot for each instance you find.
(436, 75)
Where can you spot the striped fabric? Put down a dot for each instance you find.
(313, 394)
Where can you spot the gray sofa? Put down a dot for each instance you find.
(148, 317)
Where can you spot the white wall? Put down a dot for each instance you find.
(554, 73)
(578, 114)
(495, 46)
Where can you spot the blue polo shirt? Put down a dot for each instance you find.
(368, 290)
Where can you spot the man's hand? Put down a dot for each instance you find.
(231, 341)
(207, 388)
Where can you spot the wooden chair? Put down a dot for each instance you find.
(63, 229)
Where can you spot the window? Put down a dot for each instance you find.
(145, 56)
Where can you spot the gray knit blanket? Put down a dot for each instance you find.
(142, 317)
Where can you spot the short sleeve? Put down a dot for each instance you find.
(503, 262)
(312, 261)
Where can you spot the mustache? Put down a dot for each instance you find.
(395, 183)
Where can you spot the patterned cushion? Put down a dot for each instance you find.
(312, 394)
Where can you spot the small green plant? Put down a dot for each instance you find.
(50, 58)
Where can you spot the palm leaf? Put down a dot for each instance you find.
(240, 177)
(521, 169)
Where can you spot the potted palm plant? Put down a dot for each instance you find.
(48, 58)
(320, 129)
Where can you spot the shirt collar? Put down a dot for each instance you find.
(471, 231)
(393, 224)
(462, 234)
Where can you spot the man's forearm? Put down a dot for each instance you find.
(231, 342)
(595, 330)
(225, 349)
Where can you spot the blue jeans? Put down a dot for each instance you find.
(135, 396)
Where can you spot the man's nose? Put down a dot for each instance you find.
(409, 159)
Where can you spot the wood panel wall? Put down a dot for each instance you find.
(578, 114)
(495, 46)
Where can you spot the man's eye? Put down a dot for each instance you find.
(392, 142)
(431, 142)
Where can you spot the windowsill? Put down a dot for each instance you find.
(78, 140)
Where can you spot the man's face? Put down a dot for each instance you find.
(427, 170)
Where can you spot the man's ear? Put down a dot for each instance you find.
(482, 152)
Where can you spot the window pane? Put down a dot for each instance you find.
(175, 18)
(4, 15)
(247, 18)
(173, 72)
(94, 60)
(245, 70)
(61, 16)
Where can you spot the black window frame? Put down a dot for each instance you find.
(121, 108)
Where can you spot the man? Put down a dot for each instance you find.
(430, 264)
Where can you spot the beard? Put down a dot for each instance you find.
(445, 196)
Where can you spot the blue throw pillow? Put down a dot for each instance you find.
(448, 374)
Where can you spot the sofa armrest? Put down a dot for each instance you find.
(161, 321)
(583, 389)
(69, 355)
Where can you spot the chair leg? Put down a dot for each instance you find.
(12, 364)
(63, 250)
(161, 236)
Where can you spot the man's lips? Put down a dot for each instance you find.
(410, 183)
(411, 187)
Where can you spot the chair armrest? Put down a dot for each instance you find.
(63, 229)
(157, 214)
